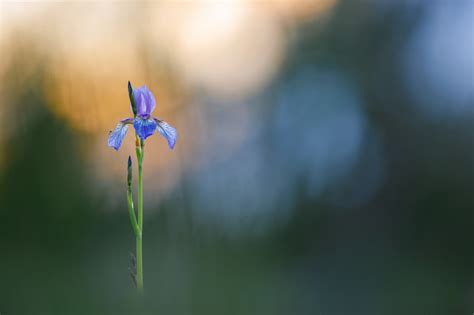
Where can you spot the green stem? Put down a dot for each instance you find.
(140, 153)
(139, 263)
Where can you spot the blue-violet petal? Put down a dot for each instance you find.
(144, 100)
(144, 127)
(168, 132)
(116, 136)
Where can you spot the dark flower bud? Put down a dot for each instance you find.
(132, 99)
(129, 172)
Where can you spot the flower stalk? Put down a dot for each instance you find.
(140, 153)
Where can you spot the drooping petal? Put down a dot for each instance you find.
(144, 127)
(167, 131)
(144, 100)
(116, 136)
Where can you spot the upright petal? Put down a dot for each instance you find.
(116, 136)
(167, 131)
(144, 127)
(145, 101)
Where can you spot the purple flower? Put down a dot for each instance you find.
(143, 104)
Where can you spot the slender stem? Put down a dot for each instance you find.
(140, 153)
(139, 263)
(140, 189)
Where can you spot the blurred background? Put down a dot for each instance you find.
(324, 163)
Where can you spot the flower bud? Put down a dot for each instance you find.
(132, 99)
(129, 172)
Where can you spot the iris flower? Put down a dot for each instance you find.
(142, 105)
